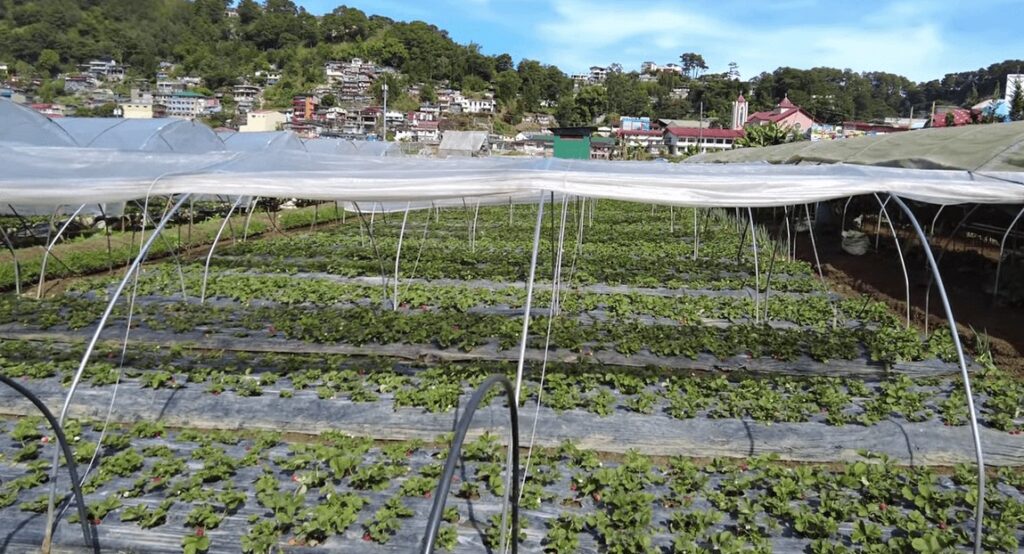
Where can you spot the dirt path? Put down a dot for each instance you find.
(880, 275)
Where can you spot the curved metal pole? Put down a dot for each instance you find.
(757, 268)
(83, 515)
(899, 251)
(696, 233)
(445, 484)
(845, 206)
(878, 226)
(931, 232)
(252, 207)
(49, 246)
(209, 255)
(949, 240)
(376, 251)
(814, 247)
(17, 266)
(529, 295)
(96, 337)
(1002, 246)
(789, 238)
(980, 508)
(768, 280)
(398, 255)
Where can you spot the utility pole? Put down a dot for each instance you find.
(700, 129)
(384, 116)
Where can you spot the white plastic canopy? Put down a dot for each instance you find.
(35, 175)
(89, 161)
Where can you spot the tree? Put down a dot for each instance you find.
(734, 72)
(344, 24)
(49, 62)
(248, 11)
(427, 93)
(767, 135)
(591, 103)
(693, 64)
(506, 87)
(1017, 101)
(503, 62)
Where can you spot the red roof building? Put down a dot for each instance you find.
(961, 116)
(785, 114)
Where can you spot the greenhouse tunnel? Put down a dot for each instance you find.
(395, 199)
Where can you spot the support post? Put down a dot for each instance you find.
(92, 345)
(209, 255)
(979, 457)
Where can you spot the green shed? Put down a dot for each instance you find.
(572, 143)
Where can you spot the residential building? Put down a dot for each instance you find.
(50, 110)
(951, 116)
(601, 148)
(542, 119)
(136, 110)
(679, 93)
(246, 96)
(260, 121)
(168, 87)
(857, 128)
(270, 77)
(674, 67)
(304, 109)
(651, 140)
(84, 82)
(648, 67)
(105, 69)
(186, 104)
(419, 131)
(679, 139)
(597, 74)
(477, 105)
(785, 114)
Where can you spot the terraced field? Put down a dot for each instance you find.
(685, 394)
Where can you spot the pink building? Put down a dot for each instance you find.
(785, 114)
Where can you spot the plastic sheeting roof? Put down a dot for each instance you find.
(270, 141)
(151, 135)
(52, 176)
(24, 125)
(994, 147)
(345, 147)
(65, 175)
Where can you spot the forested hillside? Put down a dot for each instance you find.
(45, 38)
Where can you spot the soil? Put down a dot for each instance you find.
(879, 274)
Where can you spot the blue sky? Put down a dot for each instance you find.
(921, 39)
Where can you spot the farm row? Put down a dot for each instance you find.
(161, 490)
(663, 340)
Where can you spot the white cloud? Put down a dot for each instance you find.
(901, 39)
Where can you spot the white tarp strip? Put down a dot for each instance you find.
(50, 176)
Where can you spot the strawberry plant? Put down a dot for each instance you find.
(195, 543)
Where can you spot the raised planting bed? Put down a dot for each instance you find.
(160, 490)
